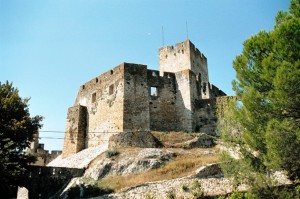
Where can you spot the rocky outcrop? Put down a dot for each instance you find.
(207, 180)
(163, 189)
(146, 159)
(202, 141)
(134, 139)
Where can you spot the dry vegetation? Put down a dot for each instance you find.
(186, 162)
(182, 165)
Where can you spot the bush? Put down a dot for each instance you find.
(197, 189)
(112, 153)
(148, 196)
(171, 194)
(184, 187)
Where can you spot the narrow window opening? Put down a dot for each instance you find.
(199, 77)
(154, 74)
(96, 79)
(111, 72)
(182, 51)
(153, 91)
(94, 95)
(111, 89)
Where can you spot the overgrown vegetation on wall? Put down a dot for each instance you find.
(263, 125)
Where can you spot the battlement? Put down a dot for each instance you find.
(104, 77)
(180, 48)
(196, 51)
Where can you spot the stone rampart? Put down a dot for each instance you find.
(45, 182)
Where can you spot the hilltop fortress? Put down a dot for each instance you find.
(133, 98)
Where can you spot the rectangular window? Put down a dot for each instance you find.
(111, 89)
(153, 91)
(94, 97)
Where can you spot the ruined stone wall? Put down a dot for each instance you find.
(45, 182)
(136, 98)
(75, 130)
(103, 96)
(162, 103)
(205, 116)
(215, 91)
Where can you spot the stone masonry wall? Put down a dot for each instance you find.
(205, 116)
(174, 58)
(198, 63)
(183, 101)
(162, 104)
(45, 182)
(104, 98)
(75, 130)
(182, 56)
(136, 98)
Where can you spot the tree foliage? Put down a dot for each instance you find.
(268, 117)
(16, 133)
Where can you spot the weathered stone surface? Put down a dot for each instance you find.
(144, 160)
(134, 139)
(203, 140)
(209, 170)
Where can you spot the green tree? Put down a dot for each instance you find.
(268, 113)
(16, 133)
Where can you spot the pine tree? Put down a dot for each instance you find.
(267, 114)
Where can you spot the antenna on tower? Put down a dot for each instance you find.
(187, 30)
(163, 36)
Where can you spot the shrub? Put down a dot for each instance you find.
(112, 153)
(184, 187)
(196, 185)
(148, 196)
(197, 189)
(171, 194)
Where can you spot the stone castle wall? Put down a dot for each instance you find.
(132, 98)
(162, 102)
(75, 134)
(136, 98)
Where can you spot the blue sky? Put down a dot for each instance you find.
(48, 48)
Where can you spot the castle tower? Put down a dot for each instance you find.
(182, 56)
(190, 68)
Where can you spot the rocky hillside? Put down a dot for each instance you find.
(186, 167)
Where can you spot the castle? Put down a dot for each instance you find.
(133, 98)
